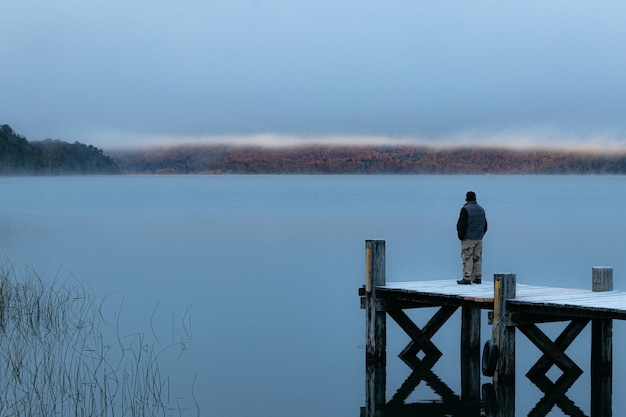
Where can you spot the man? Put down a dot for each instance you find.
(471, 227)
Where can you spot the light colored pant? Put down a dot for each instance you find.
(472, 253)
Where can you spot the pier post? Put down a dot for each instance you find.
(504, 338)
(601, 350)
(470, 354)
(376, 327)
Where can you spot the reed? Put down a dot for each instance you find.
(61, 357)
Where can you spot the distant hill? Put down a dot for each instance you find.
(213, 159)
(50, 157)
(18, 156)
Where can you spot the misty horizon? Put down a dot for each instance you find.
(136, 73)
(521, 143)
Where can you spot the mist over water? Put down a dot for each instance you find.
(265, 269)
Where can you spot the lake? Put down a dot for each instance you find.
(249, 283)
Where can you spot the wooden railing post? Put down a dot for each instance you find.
(504, 338)
(376, 327)
(601, 350)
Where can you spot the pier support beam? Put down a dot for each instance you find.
(376, 328)
(601, 350)
(470, 354)
(504, 337)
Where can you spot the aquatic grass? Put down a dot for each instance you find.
(61, 357)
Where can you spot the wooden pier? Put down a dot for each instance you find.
(511, 307)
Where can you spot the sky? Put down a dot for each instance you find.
(116, 73)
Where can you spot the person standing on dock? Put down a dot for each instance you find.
(471, 227)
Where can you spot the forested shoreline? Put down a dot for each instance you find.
(215, 159)
(18, 156)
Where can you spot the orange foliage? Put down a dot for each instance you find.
(364, 160)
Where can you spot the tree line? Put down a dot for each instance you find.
(54, 157)
(18, 156)
(218, 159)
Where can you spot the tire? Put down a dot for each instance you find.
(490, 358)
(490, 402)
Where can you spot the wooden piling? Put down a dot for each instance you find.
(504, 338)
(376, 327)
(470, 354)
(503, 334)
(601, 350)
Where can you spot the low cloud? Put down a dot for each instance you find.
(508, 140)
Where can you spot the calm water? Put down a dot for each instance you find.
(263, 271)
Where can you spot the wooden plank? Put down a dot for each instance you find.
(397, 303)
(551, 350)
(591, 304)
(561, 312)
(519, 319)
(612, 304)
(449, 288)
(433, 299)
(418, 338)
(410, 352)
(562, 342)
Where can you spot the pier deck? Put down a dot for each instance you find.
(529, 298)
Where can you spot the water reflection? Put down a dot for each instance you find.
(554, 355)
(494, 402)
(432, 380)
(555, 395)
(448, 403)
(500, 403)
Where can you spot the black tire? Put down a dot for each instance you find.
(490, 402)
(490, 358)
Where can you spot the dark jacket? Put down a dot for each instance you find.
(472, 223)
